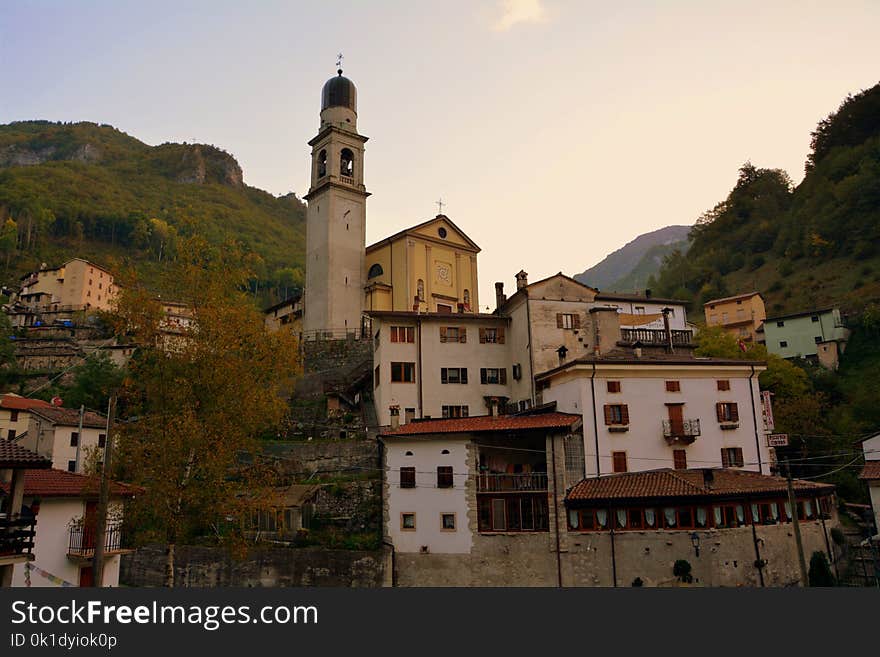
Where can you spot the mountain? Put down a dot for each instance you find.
(91, 190)
(812, 245)
(628, 268)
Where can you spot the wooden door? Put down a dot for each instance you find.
(676, 419)
(86, 576)
(90, 524)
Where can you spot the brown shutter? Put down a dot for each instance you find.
(462, 334)
(725, 461)
(734, 413)
(442, 334)
(483, 375)
(624, 414)
(607, 413)
(444, 377)
(482, 336)
(502, 376)
(463, 376)
(500, 335)
(558, 320)
(718, 412)
(576, 321)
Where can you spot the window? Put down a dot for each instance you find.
(453, 334)
(818, 339)
(403, 334)
(616, 414)
(447, 522)
(568, 321)
(454, 411)
(515, 513)
(10, 434)
(493, 375)
(444, 308)
(376, 378)
(13, 416)
(444, 476)
(74, 438)
(453, 375)
(516, 371)
(375, 270)
(640, 310)
(407, 477)
(679, 458)
(618, 461)
(783, 343)
(102, 440)
(492, 335)
(613, 386)
(346, 163)
(724, 318)
(71, 466)
(403, 372)
(673, 386)
(408, 522)
(814, 318)
(727, 412)
(731, 457)
(574, 458)
(723, 384)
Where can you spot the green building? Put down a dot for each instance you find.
(818, 335)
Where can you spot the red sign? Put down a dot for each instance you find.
(767, 411)
(57, 401)
(777, 440)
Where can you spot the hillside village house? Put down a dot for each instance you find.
(285, 314)
(871, 475)
(817, 335)
(55, 434)
(17, 530)
(58, 293)
(741, 315)
(15, 414)
(646, 311)
(65, 506)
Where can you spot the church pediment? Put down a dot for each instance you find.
(440, 230)
(561, 286)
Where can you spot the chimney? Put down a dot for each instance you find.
(522, 280)
(395, 416)
(648, 293)
(667, 330)
(708, 477)
(499, 295)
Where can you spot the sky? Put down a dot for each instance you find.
(555, 131)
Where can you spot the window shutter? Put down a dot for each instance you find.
(444, 377)
(607, 413)
(558, 320)
(500, 335)
(725, 460)
(442, 334)
(482, 336)
(718, 412)
(624, 414)
(483, 375)
(576, 321)
(464, 375)
(734, 413)
(462, 334)
(502, 376)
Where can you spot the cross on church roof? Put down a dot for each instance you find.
(440, 205)
(339, 59)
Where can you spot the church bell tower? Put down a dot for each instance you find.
(336, 216)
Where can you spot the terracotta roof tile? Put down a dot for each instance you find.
(16, 456)
(60, 483)
(18, 403)
(871, 470)
(487, 423)
(667, 483)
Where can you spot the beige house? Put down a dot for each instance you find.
(285, 314)
(54, 433)
(431, 267)
(742, 315)
(15, 414)
(49, 294)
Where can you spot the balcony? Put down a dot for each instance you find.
(16, 538)
(81, 543)
(681, 431)
(512, 483)
(655, 336)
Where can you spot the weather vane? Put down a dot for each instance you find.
(440, 205)
(339, 61)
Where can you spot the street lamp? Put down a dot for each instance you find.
(695, 540)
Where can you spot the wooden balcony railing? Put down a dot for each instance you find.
(514, 483)
(655, 336)
(17, 536)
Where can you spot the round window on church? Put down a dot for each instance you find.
(441, 232)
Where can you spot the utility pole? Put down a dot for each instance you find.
(103, 499)
(82, 410)
(797, 527)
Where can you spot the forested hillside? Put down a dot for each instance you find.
(91, 190)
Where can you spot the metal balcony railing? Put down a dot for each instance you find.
(656, 336)
(682, 431)
(514, 483)
(17, 536)
(83, 538)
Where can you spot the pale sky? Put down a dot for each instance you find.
(554, 130)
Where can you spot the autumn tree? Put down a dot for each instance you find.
(197, 399)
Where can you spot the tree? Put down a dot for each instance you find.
(93, 383)
(820, 571)
(198, 398)
(8, 364)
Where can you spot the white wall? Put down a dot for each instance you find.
(644, 392)
(52, 540)
(426, 500)
(871, 448)
(53, 441)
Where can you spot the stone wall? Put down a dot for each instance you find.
(197, 566)
(342, 456)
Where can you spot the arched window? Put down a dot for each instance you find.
(375, 270)
(420, 290)
(346, 163)
(322, 164)
(467, 299)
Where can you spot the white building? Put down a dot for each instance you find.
(662, 411)
(65, 507)
(55, 433)
(15, 414)
(871, 474)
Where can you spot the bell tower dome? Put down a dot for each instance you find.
(336, 216)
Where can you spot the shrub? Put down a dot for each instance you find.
(837, 536)
(682, 570)
(820, 571)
